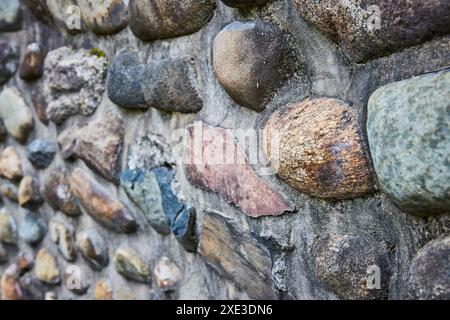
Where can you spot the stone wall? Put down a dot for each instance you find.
(109, 123)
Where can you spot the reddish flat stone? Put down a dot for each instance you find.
(235, 181)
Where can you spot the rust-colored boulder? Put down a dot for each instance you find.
(317, 147)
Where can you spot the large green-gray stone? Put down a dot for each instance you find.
(408, 131)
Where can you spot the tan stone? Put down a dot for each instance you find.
(62, 236)
(9, 284)
(10, 166)
(167, 274)
(46, 268)
(8, 228)
(29, 194)
(103, 290)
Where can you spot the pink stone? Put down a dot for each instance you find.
(208, 166)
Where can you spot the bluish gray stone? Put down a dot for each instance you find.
(32, 229)
(181, 217)
(408, 132)
(10, 15)
(41, 152)
(9, 60)
(143, 189)
(124, 81)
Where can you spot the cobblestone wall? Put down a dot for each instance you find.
(234, 149)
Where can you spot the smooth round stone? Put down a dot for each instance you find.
(245, 3)
(93, 248)
(10, 16)
(8, 228)
(251, 61)
(163, 19)
(41, 152)
(104, 17)
(46, 267)
(32, 65)
(32, 229)
(317, 148)
(408, 132)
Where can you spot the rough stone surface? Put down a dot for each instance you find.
(46, 268)
(245, 3)
(343, 263)
(239, 257)
(62, 235)
(9, 284)
(106, 17)
(125, 79)
(32, 66)
(8, 228)
(99, 144)
(74, 81)
(9, 60)
(167, 274)
(16, 115)
(162, 19)
(58, 193)
(9, 191)
(10, 165)
(318, 148)
(172, 85)
(93, 248)
(407, 126)
(429, 273)
(251, 60)
(351, 24)
(32, 229)
(107, 210)
(103, 290)
(41, 152)
(130, 265)
(142, 187)
(29, 193)
(237, 182)
(10, 16)
(31, 287)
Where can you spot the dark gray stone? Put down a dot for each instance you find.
(41, 152)
(245, 3)
(9, 60)
(172, 85)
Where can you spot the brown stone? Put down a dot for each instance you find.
(321, 150)
(32, 65)
(93, 248)
(107, 210)
(162, 19)
(351, 23)
(9, 284)
(62, 236)
(29, 194)
(40, 105)
(25, 261)
(237, 255)
(10, 166)
(46, 267)
(103, 290)
(99, 144)
(167, 274)
(59, 195)
(236, 182)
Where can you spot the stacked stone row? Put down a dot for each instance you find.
(324, 151)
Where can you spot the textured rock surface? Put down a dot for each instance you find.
(29, 193)
(10, 16)
(106, 17)
(9, 60)
(16, 115)
(103, 290)
(343, 264)
(107, 210)
(318, 149)
(245, 3)
(46, 268)
(172, 85)
(32, 65)
(32, 229)
(251, 60)
(167, 274)
(125, 79)
(40, 152)
(130, 265)
(162, 19)
(8, 228)
(31, 287)
(9, 284)
(239, 257)
(407, 126)
(73, 83)
(93, 248)
(351, 24)
(98, 144)
(62, 236)
(58, 193)
(429, 274)
(236, 181)
(10, 164)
